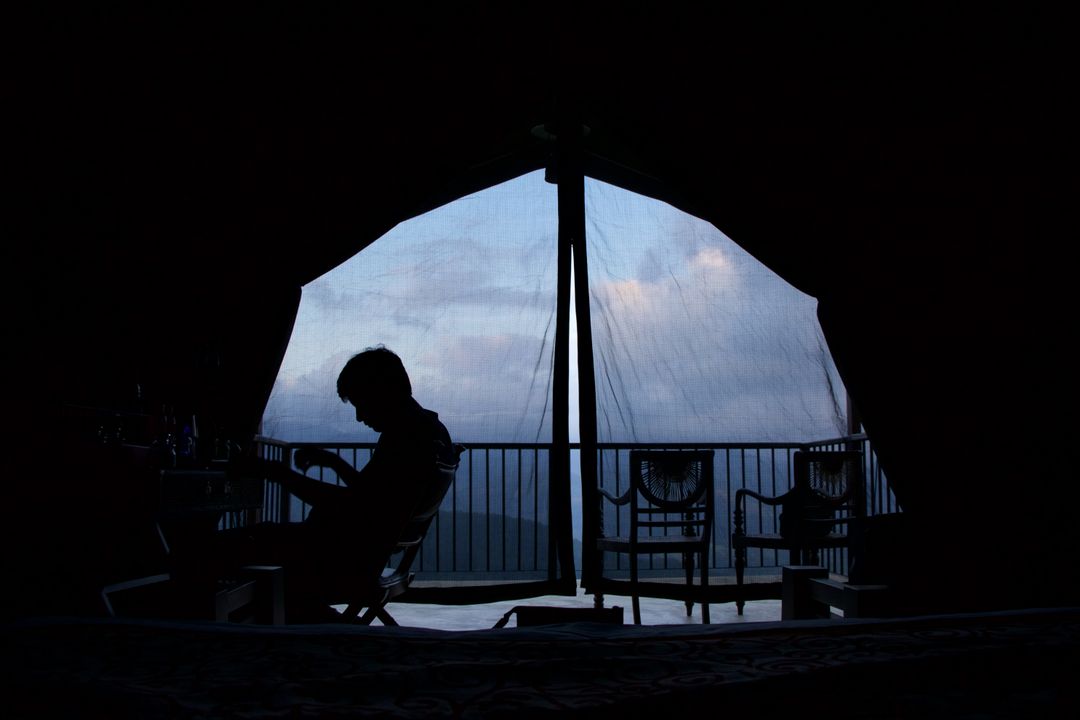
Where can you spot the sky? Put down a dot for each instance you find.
(694, 340)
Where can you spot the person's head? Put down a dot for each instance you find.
(376, 383)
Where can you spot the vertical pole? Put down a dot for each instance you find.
(561, 534)
(572, 186)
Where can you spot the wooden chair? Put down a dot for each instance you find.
(827, 497)
(671, 510)
(398, 574)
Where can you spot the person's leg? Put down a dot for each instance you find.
(221, 554)
(301, 549)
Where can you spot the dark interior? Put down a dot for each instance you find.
(181, 173)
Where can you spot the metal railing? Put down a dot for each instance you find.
(493, 523)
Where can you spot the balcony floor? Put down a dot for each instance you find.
(654, 611)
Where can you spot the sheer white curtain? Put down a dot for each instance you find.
(464, 294)
(695, 340)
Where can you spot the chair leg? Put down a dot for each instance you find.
(740, 565)
(350, 612)
(598, 601)
(688, 565)
(634, 589)
(375, 611)
(705, 587)
(797, 556)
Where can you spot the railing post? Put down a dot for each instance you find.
(284, 497)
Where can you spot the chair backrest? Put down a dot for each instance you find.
(408, 544)
(834, 473)
(673, 492)
(829, 487)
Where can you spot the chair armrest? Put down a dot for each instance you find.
(739, 528)
(766, 499)
(620, 500)
(606, 495)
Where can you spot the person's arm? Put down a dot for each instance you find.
(305, 458)
(309, 490)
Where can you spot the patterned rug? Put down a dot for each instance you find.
(989, 665)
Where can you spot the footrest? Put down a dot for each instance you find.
(232, 597)
(809, 592)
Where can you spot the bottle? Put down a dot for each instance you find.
(186, 443)
(163, 449)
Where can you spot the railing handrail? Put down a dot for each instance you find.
(480, 445)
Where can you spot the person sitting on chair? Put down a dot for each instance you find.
(352, 528)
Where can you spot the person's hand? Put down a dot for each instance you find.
(251, 466)
(305, 458)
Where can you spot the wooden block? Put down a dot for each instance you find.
(271, 592)
(862, 601)
(797, 602)
(237, 596)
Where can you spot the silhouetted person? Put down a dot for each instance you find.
(351, 528)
